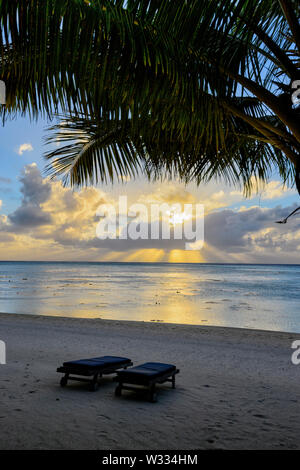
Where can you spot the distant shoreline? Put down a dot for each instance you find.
(142, 323)
(149, 262)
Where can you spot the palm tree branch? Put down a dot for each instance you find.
(288, 8)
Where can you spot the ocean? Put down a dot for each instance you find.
(236, 295)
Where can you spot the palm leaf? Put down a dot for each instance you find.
(100, 150)
(188, 85)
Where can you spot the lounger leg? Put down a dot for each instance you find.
(118, 390)
(173, 381)
(152, 394)
(94, 383)
(64, 380)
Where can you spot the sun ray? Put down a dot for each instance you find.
(151, 255)
(185, 256)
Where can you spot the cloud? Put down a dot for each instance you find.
(248, 229)
(5, 180)
(169, 193)
(124, 179)
(4, 185)
(53, 222)
(34, 188)
(48, 211)
(6, 237)
(27, 147)
(35, 191)
(275, 190)
(28, 216)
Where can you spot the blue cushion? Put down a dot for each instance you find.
(96, 362)
(150, 370)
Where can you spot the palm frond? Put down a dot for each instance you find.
(101, 150)
(185, 87)
(94, 152)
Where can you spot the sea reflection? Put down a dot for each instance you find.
(247, 296)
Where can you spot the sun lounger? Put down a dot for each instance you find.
(145, 375)
(94, 367)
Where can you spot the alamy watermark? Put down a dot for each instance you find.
(152, 222)
(295, 358)
(2, 92)
(296, 93)
(2, 352)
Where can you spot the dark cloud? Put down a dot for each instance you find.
(35, 191)
(231, 231)
(34, 188)
(28, 216)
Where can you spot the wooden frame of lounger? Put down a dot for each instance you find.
(148, 384)
(95, 372)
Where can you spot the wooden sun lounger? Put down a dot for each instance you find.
(94, 367)
(145, 377)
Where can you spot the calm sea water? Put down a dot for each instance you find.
(248, 296)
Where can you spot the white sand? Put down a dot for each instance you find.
(236, 389)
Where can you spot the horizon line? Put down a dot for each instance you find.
(148, 262)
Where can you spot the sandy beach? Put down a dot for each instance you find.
(237, 388)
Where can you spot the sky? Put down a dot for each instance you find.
(42, 220)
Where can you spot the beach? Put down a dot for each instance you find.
(237, 388)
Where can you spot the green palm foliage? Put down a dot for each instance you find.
(195, 89)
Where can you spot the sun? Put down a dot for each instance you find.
(176, 217)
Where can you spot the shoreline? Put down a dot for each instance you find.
(237, 388)
(141, 323)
